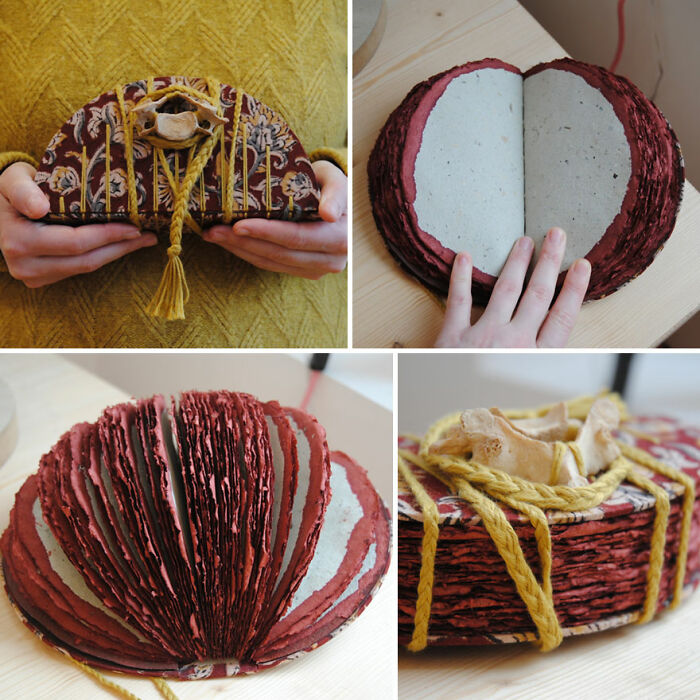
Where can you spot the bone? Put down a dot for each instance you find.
(526, 447)
(180, 126)
(554, 425)
(595, 439)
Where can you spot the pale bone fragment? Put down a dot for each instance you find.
(179, 126)
(595, 439)
(491, 439)
(554, 425)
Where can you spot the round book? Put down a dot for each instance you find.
(150, 131)
(617, 562)
(479, 155)
(210, 536)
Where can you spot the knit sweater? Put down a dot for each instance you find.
(57, 56)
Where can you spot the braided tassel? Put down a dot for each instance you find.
(173, 293)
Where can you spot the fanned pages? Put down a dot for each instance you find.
(481, 154)
(209, 536)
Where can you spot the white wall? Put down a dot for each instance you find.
(661, 54)
(433, 385)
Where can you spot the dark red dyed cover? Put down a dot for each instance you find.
(645, 221)
(599, 557)
(176, 538)
(59, 172)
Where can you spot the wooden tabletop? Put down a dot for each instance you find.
(52, 394)
(656, 660)
(389, 307)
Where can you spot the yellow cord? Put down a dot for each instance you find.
(108, 166)
(245, 167)
(163, 688)
(83, 181)
(127, 122)
(172, 294)
(268, 203)
(228, 200)
(483, 488)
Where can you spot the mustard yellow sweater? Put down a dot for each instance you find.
(56, 56)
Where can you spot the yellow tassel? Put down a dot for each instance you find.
(172, 293)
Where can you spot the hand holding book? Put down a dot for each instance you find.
(534, 323)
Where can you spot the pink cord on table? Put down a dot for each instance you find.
(620, 34)
(313, 380)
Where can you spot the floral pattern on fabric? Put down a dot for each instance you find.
(60, 171)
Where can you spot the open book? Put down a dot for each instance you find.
(482, 154)
(211, 536)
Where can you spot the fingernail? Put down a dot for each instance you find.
(241, 231)
(37, 202)
(556, 235)
(132, 233)
(463, 261)
(525, 243)
(582, 267)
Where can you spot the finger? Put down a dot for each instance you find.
(334, 190)
(302, 260)
(18, 187)
(561, 319)
(312, 236)
(48, 270)
(538, 296)
(459, 302)
(270, 265)
(68, 240)
(509, 285)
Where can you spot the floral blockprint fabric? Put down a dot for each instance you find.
(79, 150)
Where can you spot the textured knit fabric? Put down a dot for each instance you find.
(57, 56)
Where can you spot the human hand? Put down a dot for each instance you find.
(534, 324)
(39, 254)
(306, 249)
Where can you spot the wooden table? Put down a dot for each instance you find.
(389, 307)
(656, 660)
(52, 394)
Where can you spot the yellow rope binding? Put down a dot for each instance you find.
(172, 294)
(228, 199)
(119, 690)
(484, 488)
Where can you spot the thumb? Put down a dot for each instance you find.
(18, 187)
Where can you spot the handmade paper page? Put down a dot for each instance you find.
(577, 160)
(469, 171)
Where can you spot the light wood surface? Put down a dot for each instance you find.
(389, 307)
(368, 25)
(656, 660)
(52, 394)
(8, 423)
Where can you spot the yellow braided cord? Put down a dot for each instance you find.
(164, 688)
(119, 690)
(228, 200)
(172, 294)
(127, 122)
(484, 488)
(431, 531)
(688, 484)
(174, 186)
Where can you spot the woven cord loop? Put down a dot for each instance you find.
(488, 490)
(173, 293)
